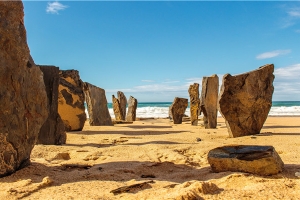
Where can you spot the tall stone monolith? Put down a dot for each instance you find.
(246, 99)
(23, 99)
(123, 102)
(117, 108)
(209, 101)
(178, 108)
(132, 106)
(53, 130)
(71, 100)
(97, 106)
(194, 103)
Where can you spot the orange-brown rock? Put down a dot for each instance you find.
(97, 106)
(246, 99)
(117, 108)
(178, 108)
(71, 100)
(123, 102)
(261, 160)
(209, 101)
(132, 106)
(194, 103)
(23, 99)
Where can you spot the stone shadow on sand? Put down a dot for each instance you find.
(266, 127)
(125, 132)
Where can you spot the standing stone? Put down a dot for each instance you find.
(53, 130)
(209, 100)
(123, 102)
(23, 99)
(132, 106)
(194, 103)
(178, 108)
(97, 106)
(261, 160)
(246, 99)
(71, 100)
(117, 108)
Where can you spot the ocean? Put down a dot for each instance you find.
(161, 109)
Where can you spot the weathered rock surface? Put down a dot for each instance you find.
(246, 99)
(123, 102)
(71, 100)
(53, 130)
(194, 103)
(178, 108)
(97, 106)
(117, 108)
(209, 101)
(23, 99)
(261, 160)
(132, 106)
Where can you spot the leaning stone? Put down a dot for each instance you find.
(117, 108)
(194, 103)
(178, 108)
(261, 160)
(209, 101)
(53, 130)
(97, 106)
(23, 99)
(132, 106)
(71, 100)
(246, 99)
(123, 102)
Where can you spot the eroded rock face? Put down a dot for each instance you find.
(132, 106)
(97, 106)
(117, 108)
(209, 101)
(246, 99)
(71, 100)
(261, 160)
(123, 102)
(178, 108)
(23, 99)
(53, 130)
(194, 103)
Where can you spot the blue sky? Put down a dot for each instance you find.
(153, 51)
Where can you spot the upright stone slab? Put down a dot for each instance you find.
(117, 108)
(178, 108)
(209, 100)
(97, 106)
(71, 100)
(261, 160)
(53, 130)
(132, 106)
(194, 103)
(246, 99)
(123, 102)
(23, 99)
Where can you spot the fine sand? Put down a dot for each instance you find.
(97, 160)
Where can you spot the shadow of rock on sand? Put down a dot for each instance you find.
(126, 132)
(281, 127)
(143, 126)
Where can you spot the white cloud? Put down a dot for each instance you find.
(294, 12)
(149, 81)
(289, 72)
(292, 16)
(272, 54)
(298, 31)
(54, 7)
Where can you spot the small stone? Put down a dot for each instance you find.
(297, 174)
(199, 140)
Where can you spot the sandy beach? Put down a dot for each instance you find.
(169, 160)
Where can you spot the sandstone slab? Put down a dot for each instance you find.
(97, 106)
(246, 99)
(53, 130)
(23, 99)
(194, 103)
(71, 100)
(261, 160)
(123, 102)
(132, 106)
(209, 101)
(178, 108)
(117, 108)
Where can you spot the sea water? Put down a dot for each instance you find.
(161, 109)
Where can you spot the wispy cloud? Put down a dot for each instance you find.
(148, 81)
(292, 16)
(55, 7)
(298, 31)
(290, 72)
(272, 54)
